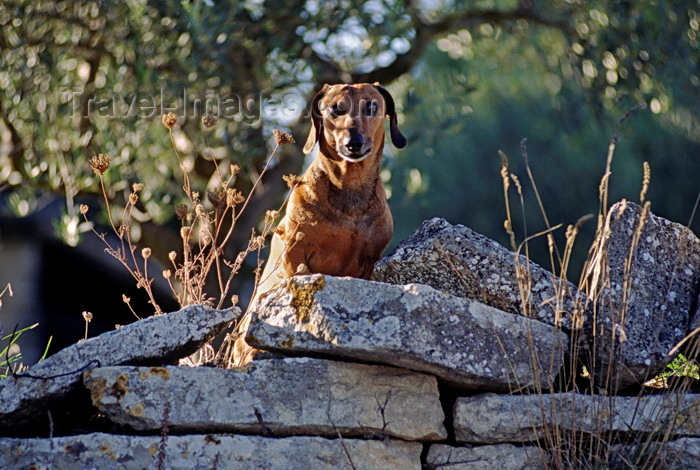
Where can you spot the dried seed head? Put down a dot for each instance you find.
(84, 209)
(234, 197)
(235, 169)
(100, 163)
(302, 269)
(181, 211)
(204, 229)
(87, 316)
(217, 197)
(282, 137)
(136, 187)
(186, 233)
(645, 182)
(169, 120)
(234, 300)
(166, 273)
(259, 241)
(204, 237)
(209, 120)
(571, 232)
(133, 198)
(299, 236)
(550, 243)
(172, 256)
(199, 210)
(126, 299)
(292, 180)
(146, 253)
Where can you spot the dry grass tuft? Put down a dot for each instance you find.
(573, 449)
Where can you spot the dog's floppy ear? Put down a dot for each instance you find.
(397, 137)
(316, 121)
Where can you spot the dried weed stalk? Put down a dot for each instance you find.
(207, 221)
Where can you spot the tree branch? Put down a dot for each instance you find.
(428, 32)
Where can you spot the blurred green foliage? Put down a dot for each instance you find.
(470, 78)
(451, 169)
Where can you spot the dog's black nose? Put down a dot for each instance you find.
(354, 145)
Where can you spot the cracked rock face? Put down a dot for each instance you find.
(157, 339)
(491, 418)
(456, 259)
(204, 452)
(276, 397)
(463, 342)
(647, 275)
(492, 457)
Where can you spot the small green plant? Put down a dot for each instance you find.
(680, 367)
(10, 354)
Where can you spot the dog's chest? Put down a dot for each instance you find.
(352, 205)
(346, 249)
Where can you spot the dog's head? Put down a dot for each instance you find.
(350, 120)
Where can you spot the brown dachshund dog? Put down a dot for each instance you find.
(339, 204)
(337, 220)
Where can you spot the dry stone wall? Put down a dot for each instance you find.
(337, 398)
(437, 368)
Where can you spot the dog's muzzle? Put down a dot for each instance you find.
(356, 149)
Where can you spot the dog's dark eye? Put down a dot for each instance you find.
(371, 108)
(335, 111)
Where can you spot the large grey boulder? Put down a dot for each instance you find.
(646, 273)
(455, 259)
(490, 418)
(276, 397)
(155, 340)
(464, 342)
(206, 452)
(491, 457)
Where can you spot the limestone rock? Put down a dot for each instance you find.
(277, 397)
(490, 418)
(205, 452)
(464, 342)
(681, 454)
(155, 340)
(492, 457)
(464, 263)
(644, 307)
